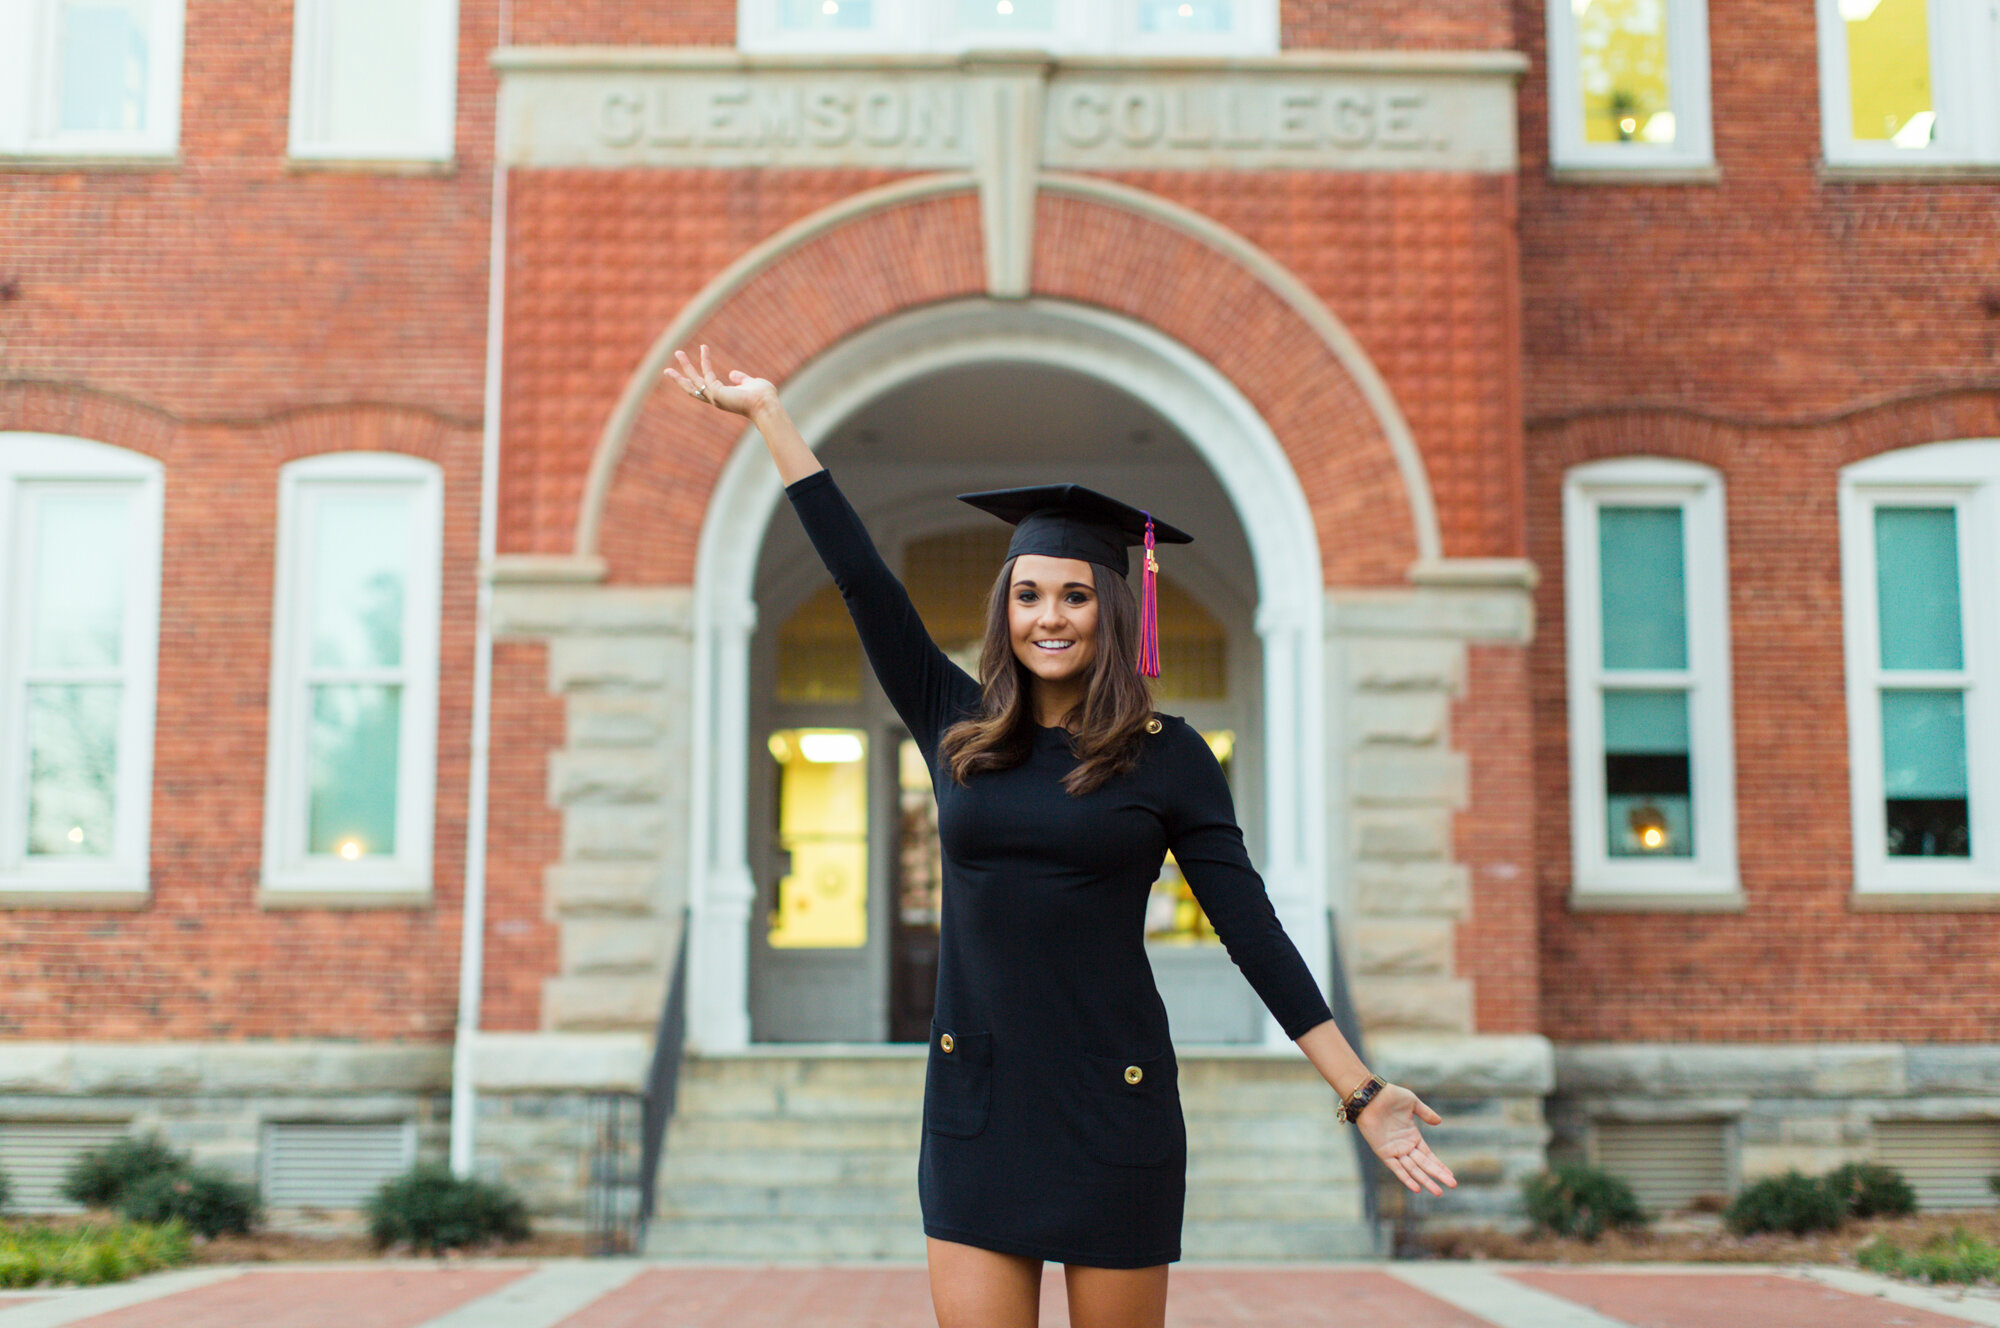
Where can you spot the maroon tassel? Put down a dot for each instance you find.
(1149, 609)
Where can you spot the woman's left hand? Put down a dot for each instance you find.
(1389, 1124)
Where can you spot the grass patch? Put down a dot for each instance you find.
(34, 1254)
(1949, 1256)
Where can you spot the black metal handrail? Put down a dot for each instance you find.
(663, 1078)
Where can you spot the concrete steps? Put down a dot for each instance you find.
(811, 1154)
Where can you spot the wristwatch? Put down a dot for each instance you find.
(1352, 1104)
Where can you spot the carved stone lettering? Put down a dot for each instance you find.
(1143, 117)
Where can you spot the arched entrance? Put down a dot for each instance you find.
(1209, 439)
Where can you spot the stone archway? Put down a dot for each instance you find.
(1231, 437)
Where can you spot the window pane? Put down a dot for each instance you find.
(1916, 587)
(1889, 71)
(72, 769)
(375, 77)
(819, 656)
(1185, 15)
(1923, 773)
(822, 15)
(356, 735)
(360, 552)
(1643, 584)
(1622, 68)
(79, 569)
(1013, 15)
(102, 64)
(1648, 788)
(823, 831)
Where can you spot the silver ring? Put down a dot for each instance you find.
(702, 392)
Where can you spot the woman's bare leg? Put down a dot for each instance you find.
(975, 1288)
(1117, 1297)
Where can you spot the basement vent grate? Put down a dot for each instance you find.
(35, 1154)
(1668, 1164)
(1946, 1162)
(333, 1166)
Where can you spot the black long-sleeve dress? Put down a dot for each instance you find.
(1052, 1116)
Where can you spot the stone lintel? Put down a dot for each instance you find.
(1471, 1065)
(559, 1062)
(570, 609)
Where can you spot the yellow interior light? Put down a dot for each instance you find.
(350, 849)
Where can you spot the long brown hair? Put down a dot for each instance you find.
(1116, 702)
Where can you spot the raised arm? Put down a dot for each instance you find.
(921, 682)
(1208, 845)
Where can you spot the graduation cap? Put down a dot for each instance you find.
(1070, 521)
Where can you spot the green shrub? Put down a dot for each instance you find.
(101, 1176)
(210, 1201)
(1869, 1189)
(6, 1189)
(88, 1256)
(1955, 1256)
(431, 1209)
(1572, 1200)
(1792, 1202)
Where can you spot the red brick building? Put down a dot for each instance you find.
(1588, 419)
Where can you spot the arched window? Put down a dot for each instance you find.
(1652, 761)
(1920, 578)
(79, 642)
(350, 782)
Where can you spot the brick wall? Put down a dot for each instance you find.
(1776, 326)
(227, 313)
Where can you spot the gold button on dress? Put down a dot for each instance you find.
(1133, 1074)
(945, 1042)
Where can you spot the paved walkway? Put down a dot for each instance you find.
(635, 1294)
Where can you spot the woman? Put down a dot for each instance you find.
(1052, 1120)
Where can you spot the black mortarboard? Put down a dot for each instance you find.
(1070, 521)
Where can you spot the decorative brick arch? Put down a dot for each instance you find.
(80, 412)
(917, 242)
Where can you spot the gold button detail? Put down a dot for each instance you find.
(946, 1042)
(1154, 726)
(1133, 1074)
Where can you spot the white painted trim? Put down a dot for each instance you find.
(1248, 462)
(428, 139)
(290, 877)
(123, 880)
(29, 91)
(1963, 474)
(1964, 43)
(1687, 89)
(913, 26)
(1711, 873)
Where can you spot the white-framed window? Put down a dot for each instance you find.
(1920, 577)
(1628, 85)
(90, 78)
(1652, 759)
(1200, 27)
(350, 781)
(79, 649)
(1909, 82)
(374, 80)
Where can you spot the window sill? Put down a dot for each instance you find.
(424, 166)
(19, 894)
(1911, 172)
(70, 162)
(1691, 173)
(347, 897)
(1926, 901)
(1656, 901)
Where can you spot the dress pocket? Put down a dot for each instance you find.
(1130, 1109)
(958, 1082)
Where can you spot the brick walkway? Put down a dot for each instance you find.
(633, 1294)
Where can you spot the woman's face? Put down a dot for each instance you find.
(1052, 616)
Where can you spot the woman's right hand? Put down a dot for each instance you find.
(741, 395)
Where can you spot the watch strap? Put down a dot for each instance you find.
(1352, 1105)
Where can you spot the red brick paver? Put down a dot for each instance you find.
(386, 1298)
(1692, 1300)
